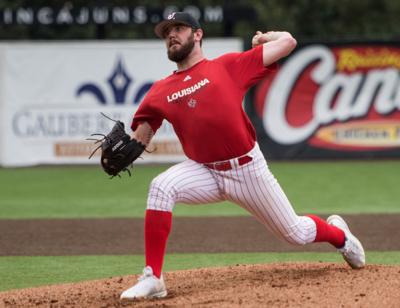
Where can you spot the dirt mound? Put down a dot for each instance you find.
(266, 285)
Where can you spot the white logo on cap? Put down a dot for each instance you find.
(171, 16)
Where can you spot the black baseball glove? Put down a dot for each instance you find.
(118, 150)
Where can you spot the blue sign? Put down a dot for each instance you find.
(119, 83)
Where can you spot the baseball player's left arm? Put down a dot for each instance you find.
(143, 133)
(276, 45)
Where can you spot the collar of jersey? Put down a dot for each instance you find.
(176, 72)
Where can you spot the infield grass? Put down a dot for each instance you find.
(84, 192)
(24, 272)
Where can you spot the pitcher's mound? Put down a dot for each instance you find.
(263, 285)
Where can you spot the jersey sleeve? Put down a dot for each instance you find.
(247, 67)
(148, 112)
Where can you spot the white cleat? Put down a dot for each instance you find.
(148, 286)
(352, 251)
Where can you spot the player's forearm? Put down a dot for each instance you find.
(281, 37)
(143, 133)
(276, 45)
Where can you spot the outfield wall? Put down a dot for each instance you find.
(52, 95)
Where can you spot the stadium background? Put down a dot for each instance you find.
(68, 223)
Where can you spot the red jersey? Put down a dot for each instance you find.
(204, 105)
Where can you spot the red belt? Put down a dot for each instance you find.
(227, 165)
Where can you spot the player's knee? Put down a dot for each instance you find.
(162, 187)
(161, 197)
(299, 234)
(295, 239)
(156, 183)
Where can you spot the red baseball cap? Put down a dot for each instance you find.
(176, 18)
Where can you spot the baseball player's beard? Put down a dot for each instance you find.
(178, 55)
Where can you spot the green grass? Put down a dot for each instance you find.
(23, 272)
(312, 187)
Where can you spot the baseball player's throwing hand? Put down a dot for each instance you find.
(261, 38)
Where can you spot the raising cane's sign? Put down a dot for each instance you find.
(332, 101)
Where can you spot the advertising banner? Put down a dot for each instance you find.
(331, 101)
(53, 95)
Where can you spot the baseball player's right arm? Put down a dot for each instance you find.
(143, 133)
(276, 45)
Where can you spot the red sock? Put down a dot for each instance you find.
(328, 233)
(157, 226)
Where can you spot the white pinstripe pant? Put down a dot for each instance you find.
(252, 186)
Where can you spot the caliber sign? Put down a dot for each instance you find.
(333, 101)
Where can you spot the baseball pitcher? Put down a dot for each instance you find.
(202, 99)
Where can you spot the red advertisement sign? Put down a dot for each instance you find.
(332, 100)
